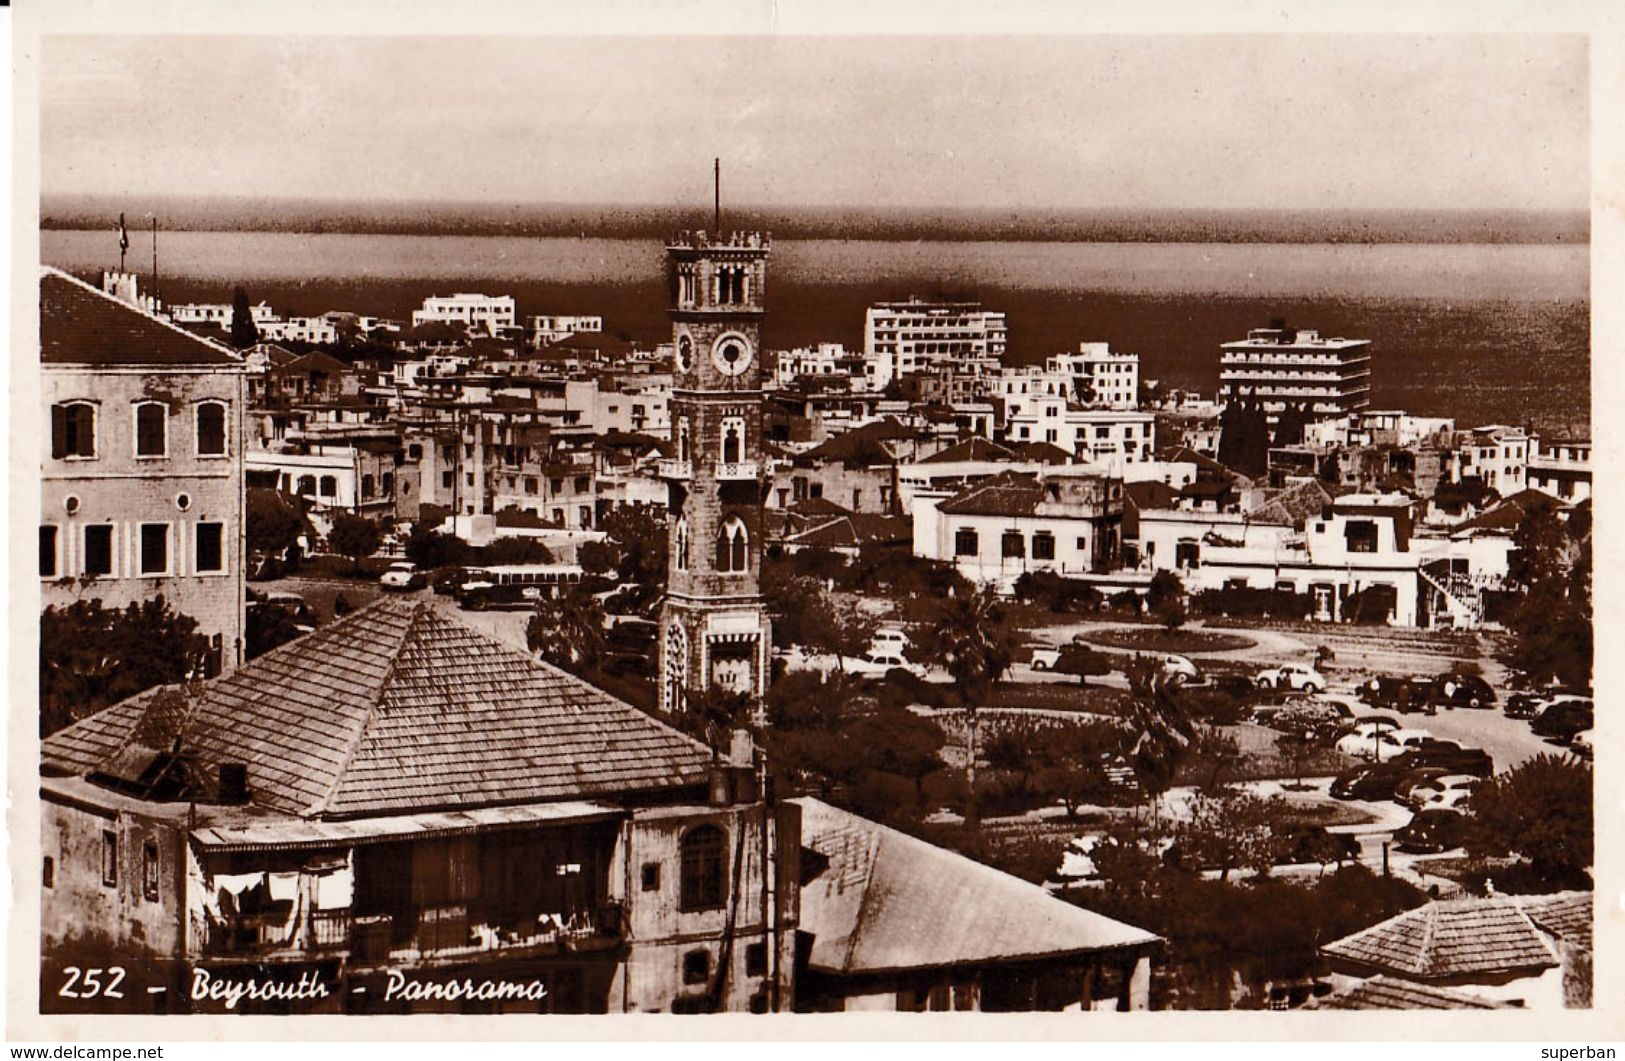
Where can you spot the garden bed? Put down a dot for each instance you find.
(1158, 639)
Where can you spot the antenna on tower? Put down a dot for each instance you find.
(717, 174)
(154, 255)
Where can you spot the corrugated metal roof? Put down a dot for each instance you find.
(1460, 937)
(398, 708)
(888, 901)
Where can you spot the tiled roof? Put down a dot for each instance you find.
(889, 901)
(975, 448)
(397, 708)
(315, 361)
(1566, 915)
(1302, 501)
(1043, 453)
(1461, 937)
(80, 325)
(1384, 992)
(866, 442)
(1150, 494)
(1007, 494)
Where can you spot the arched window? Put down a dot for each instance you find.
(151, 436)
(211, 429)
(330, 486)
(680, 552)
(733, 547)
(675, 676)
(704, 873)
(389, 484)
(73, 430)
(366, 486)
(684, 453)
(733, 439)
(307, 486)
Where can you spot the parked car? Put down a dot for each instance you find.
(1373, 782)
(1397, 694)
(1293, 676)
(1179, 669)
(1562, 718)
(879, 664)
(1045, 658)
(1431, 832)
(1524, 705)
(402, 577)
(1378, 745)
(1414, 786)
(1463, 690)
(1447, 755)
(889, 639)
(1447, 793)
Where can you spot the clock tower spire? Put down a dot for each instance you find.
(714, 629)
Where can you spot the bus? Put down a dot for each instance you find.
(515, 586)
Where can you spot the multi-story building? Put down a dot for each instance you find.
(1280, 366)
(1495, 455)
(1101, 435)
(713, 625)
(318, 330)
(142, 487)
(1561, 467)
(1100, 376)
(1066, 520)
(476, 313)
(914, 336)
(824, 361)
(219, 314)
(550, 328)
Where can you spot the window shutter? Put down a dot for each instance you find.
(59, 432)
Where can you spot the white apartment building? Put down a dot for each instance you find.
(1279, 366)
(550, 328)
(1100, 376)
(1101, 435)
(306, 329)
(478, 313)
(914, 336)
(1561, 468)
(1372, 427)
(219, 314)
(1496, 455)
(824, 360)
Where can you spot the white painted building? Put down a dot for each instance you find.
(305, 329)
(1281, 366)
(1100, 435)
(915, 336)
(550, 328)
(1496, 455)
(477, 313)
(1100, 376)
(1561, 468)
(1373, 427)
(825, 360)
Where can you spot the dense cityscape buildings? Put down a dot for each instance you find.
(616, 806)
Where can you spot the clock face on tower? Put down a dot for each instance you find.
(731, 355)
(685, 353)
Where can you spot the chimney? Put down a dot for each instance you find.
(233, 788)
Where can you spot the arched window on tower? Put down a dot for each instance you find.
(733, 547)
(680, 552)
(733, 439)
(684, 452)
(675, 678)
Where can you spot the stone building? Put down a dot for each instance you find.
(142, 483)
(713, 626)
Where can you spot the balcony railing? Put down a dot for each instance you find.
(675, 469)
(738, 471)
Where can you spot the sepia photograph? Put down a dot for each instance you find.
(761, 523)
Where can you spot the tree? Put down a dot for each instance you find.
(1552, 618)
(1541, 811)
(92, 657)
(354, 536)
(634, 546)
(971, 639)
(244, 332)
(1158, 714)
(1083, 661)
(274, 521)
(1244, 437)
(430, 549)
(1229, 832)
(804, 613)
(568, 631)
(1166, 599)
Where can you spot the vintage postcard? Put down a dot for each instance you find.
(751, 514)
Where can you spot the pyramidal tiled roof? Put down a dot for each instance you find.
(1385, 992)
(1461, 937)
(398, 708)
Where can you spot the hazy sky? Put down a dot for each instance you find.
(1022, 122)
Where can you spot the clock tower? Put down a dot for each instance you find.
(713, 624)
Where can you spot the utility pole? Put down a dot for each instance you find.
(717, 178)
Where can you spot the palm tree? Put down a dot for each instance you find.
(1165, 727)
(968, 636)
